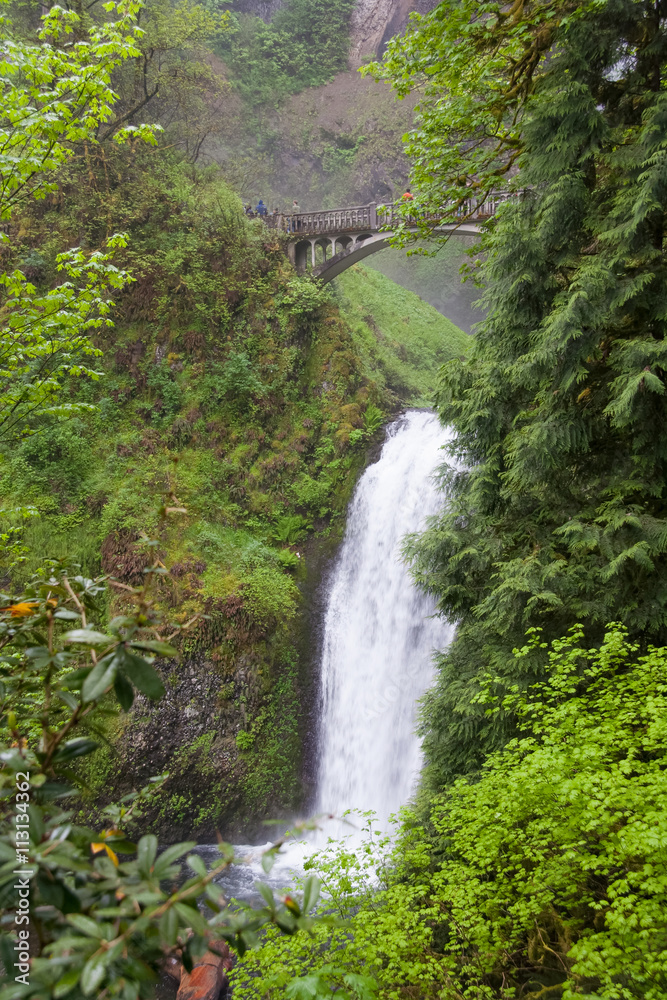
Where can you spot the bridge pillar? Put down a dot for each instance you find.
(333, 246)
(373, 215)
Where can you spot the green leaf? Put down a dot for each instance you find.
(99, 679)
(169, 926)
(191, 917)
(267, 895)
(124, 691)
(142, 675)
(197, 865)
(176, 851)
(68, 699)
(306, 988)
(93, 973)
(74, 680)
(88, 637)
(311, 893)
(66, 983)
(85, 925)
(120, 845)
(79, 747)
(363, 986)
(146, 853)
(154, 646)
(269, 859)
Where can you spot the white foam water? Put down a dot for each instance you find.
(379, 633)
(378, 644)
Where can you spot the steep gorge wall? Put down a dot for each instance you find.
(374, 22)
(340, 143)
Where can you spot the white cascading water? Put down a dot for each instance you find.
(378, 644)
(379, 637)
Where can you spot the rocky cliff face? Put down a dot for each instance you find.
(374, 22)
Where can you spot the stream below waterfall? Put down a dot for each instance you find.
(378, 639)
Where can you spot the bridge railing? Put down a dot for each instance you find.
(352, 218)
(471, 210)
(356, 218)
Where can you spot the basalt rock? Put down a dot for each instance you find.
(374, 22)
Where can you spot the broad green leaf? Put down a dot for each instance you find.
(266, 893)
(153, 646)
(78, 747)
(146, 853)
(99, 679)
(197, 865)
(93, 973)
(176, 851)
(311, 893)
(142, 675)
(269, 859)
(74, 680)
(169, 926)
(85, 924)
(88, 637)
(66, 983)
(191, 917)
(124, 691)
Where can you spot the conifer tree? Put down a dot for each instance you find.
(557, 511)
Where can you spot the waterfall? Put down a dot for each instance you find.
(378, 636)
(378, 642)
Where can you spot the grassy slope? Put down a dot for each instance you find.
(436, 278)
(397, 332)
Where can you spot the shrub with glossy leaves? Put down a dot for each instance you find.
(101, 921)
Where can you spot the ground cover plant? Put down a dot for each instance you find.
(408, 336)
(545, 877)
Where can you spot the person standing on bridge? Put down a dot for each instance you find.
(295, 211)
(408, 196)
(261, 209)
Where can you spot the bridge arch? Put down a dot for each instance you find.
(344, 242)
(366, 244)
(302, 251)
(359, 249)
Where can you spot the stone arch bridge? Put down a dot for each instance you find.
(327, 243)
